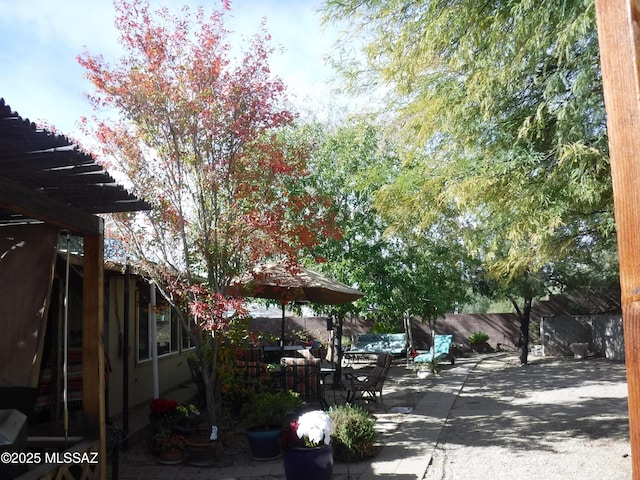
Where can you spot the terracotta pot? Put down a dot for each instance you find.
(155, 443)
(171, 456)
(201, 450)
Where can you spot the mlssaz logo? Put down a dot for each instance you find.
(71, 457)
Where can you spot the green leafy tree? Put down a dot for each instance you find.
(401, 276)
(347, 167)
(349, 164)
(205, 139)
(503, 103)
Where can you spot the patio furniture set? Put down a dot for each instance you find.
(306, 373)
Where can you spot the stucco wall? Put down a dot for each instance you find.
(503, 328)
(603, 333)
(173, 369)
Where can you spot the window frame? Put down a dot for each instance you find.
(143, 295)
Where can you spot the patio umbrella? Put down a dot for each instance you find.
(284, 283)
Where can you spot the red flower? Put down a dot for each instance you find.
(163, 406)
(289, 436)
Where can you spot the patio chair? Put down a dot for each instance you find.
(440, 350)
(359, 385)
(302, 375)
(252, 369)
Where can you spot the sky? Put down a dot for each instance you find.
(40, 40)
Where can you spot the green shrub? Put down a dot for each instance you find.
(268, 408)
(353, 433)
(478, 338)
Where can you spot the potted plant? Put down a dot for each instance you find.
(354, 432)
(478, 341)
(172, 449)
(162, 420)
(306, 442)
(163, 415)
(201, 449)
(187, 419)
(265, 414)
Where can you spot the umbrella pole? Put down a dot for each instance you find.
(337, 333)
(282, 332)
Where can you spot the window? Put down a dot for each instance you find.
(167, 325)
(186, 339)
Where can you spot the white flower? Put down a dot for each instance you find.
(316, 426)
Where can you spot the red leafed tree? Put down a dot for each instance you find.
(208, 141)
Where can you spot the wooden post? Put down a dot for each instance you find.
(619, 38)
(92, 344)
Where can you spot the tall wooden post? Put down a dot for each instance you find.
(619, 37)
(92, 344)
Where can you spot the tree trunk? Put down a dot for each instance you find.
(208, 357)
(525, 320)
(210, 398)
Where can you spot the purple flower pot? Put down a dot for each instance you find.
(309, 463)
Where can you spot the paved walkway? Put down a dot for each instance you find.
(408, 452)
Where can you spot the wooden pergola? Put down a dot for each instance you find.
(619, 39)
(45, 179)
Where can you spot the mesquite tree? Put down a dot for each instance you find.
(208, 141)
(503, 103)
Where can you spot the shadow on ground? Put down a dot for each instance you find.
(537, 406)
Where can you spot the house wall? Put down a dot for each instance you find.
(603, 333)
(173, 369)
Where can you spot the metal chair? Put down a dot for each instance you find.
(370, 384)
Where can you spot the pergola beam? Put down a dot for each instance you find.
(18, 199)
(619, 38)
(93, 343)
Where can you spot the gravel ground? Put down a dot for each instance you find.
(559, 419)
